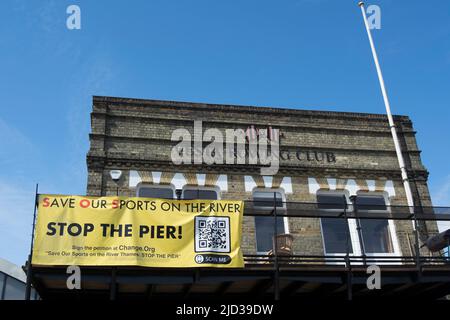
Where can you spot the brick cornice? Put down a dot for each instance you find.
(135, 164)
(241, 108)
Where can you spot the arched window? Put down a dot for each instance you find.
(156, 191)
(264, 228)
(335, 231)
(376, 233)
(204, 193)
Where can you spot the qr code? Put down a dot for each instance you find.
(212, 234)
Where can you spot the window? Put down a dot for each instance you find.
(2, 281)
(200, 193)
(265, 199)
(264, 232)
(331, 201)
(264, 225)
(335, 231)
(160, 192)
(14, 290)
(371, 202)
(375, 232)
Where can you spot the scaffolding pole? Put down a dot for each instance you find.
(29, 271)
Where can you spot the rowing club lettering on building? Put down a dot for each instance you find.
(298, 154)
(273, 136)
(308, 155)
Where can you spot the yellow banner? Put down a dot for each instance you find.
(113, 231)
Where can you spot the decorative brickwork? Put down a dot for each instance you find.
(320, 150)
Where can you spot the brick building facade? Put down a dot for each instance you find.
(334, 153)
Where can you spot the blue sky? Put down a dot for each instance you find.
(310, 54)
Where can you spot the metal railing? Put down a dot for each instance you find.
(410, 238)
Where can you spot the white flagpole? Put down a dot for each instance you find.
(398, 150)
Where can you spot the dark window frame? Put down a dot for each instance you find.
(328, 207)
(155, 186)
(282, 219)
(206, 189)
(367, 208)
